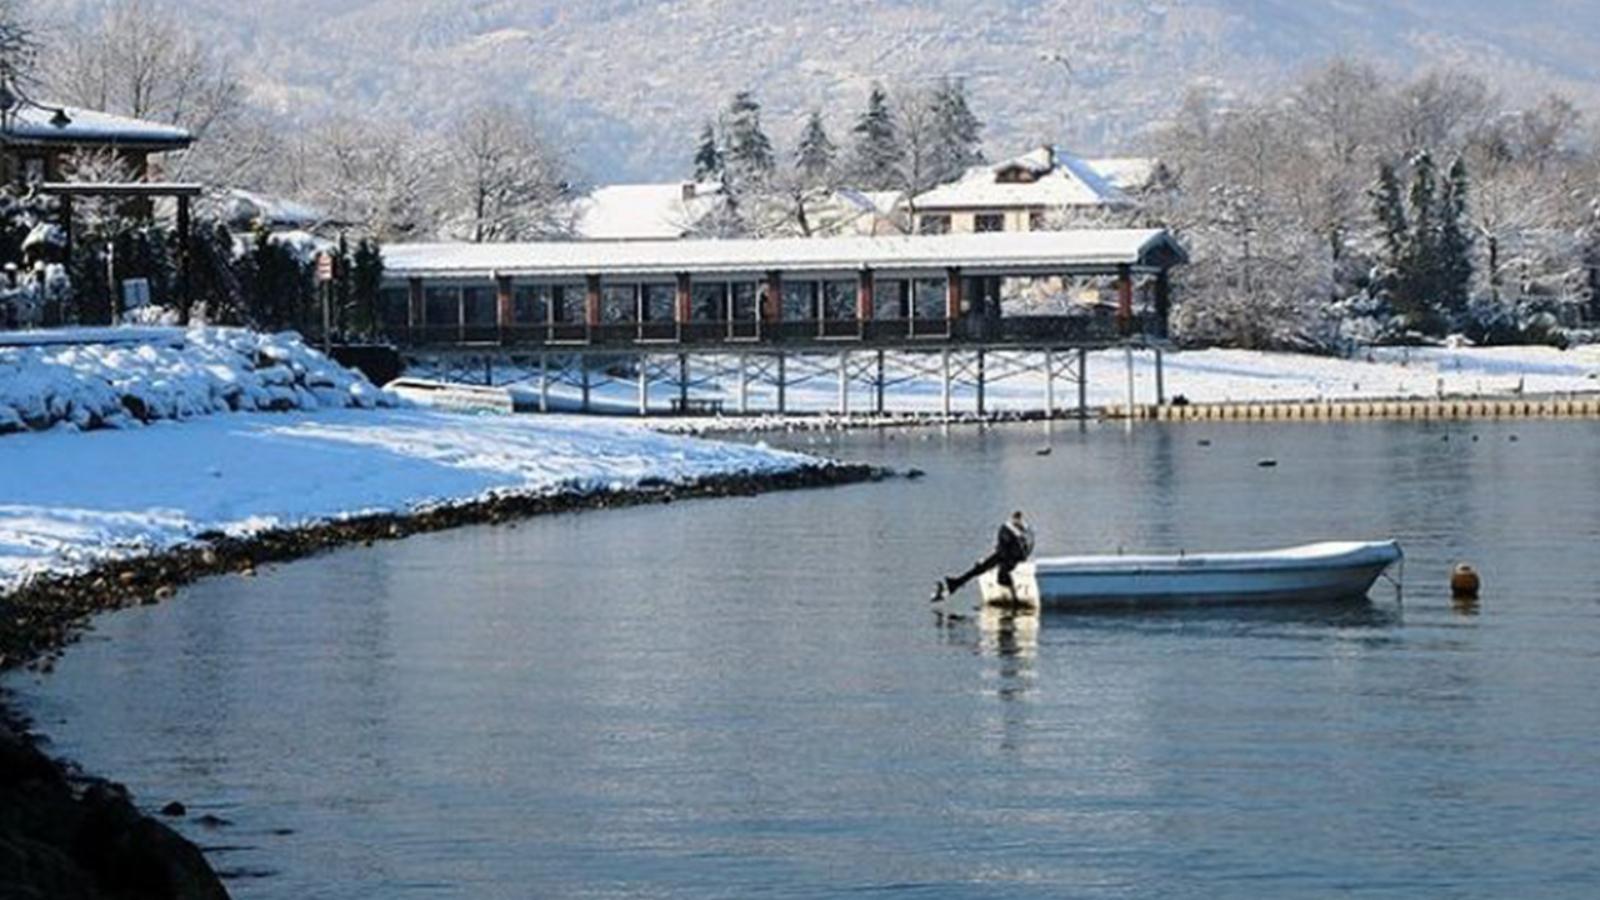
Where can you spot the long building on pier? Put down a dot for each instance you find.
(879, 290)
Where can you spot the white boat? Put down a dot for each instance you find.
(1325, 571)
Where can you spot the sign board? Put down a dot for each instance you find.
(135, 293)
(324, 267)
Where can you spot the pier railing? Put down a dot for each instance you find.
(1061, 330)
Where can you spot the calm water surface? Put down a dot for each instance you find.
(752, 697)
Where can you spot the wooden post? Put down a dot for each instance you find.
(1049, 384)
(1161, 382)
(583, 377)
(505, 309)
(544, 382)
(980, 381)
(684, 309)
(1083, 384)
(1128, 353)
(944, 381)
(953, 299)
(865, 301)
(744, 385)
(185, 298)
(772, 311)
(683, 382)
(644, 384)
(844, 382)
(591, 302)
(1125, 299)
(416, 309)
(879, 384)
(781, 383)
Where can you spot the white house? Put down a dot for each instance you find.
(1021, 194)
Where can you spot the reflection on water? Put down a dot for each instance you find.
(752, 696)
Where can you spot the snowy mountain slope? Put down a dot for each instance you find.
(627, 82)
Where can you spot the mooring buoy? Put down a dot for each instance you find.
(1268, 463)
(1464, 580)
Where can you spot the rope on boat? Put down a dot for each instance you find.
(1398, 581)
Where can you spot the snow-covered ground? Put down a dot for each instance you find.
(121, 377)
(69, 500)
(1203, 376)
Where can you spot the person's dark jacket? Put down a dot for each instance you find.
(1013, 545)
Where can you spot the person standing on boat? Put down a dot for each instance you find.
(1013, 546)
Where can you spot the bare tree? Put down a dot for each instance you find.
(373, 175)
(505, 182)
(138, 60)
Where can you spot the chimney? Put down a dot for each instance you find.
(688, 191)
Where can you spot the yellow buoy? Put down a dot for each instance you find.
(1464, 581)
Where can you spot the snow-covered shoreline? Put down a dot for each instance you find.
(72, 501)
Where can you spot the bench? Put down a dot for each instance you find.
(698, 406)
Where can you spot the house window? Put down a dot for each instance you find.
(33, 170)
(933, 224)
(989, 222)
(658, 303)
(530, 304)
(839, 299)
(442, 306)
(480, 306)
(1036, 221)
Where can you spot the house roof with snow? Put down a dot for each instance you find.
(645, 212)
(1044, 253)
(71, 126)
(1129, 174)
(1045, 178)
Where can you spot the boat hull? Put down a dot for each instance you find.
(1313, 573)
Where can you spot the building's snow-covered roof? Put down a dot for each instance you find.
(645, 212)
(1126, 173)
(31, 124)
(242, 207)
(1045, 252)
(1059, 179)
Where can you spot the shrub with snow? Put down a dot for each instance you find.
(117, 378)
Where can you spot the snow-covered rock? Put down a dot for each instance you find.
(114, 378)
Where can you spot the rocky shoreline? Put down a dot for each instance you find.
(66, 835)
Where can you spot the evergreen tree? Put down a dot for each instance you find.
(749, 158)
(708, 162)
(958, 133)
(366, 279)
(877, 153)
(815, 155)
(1455, 242)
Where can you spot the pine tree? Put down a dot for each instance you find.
(958, 133)
(708, 162)
(1455, 242)
(749, 158)
(877, 153)
(815, 155)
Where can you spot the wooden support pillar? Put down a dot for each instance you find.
(782, 384)
(980, 381)
(185, 284)
(505, 308)
(1083, 384)
(583, 380)
(953, 299)
(865, 301)
(1125, 299)
(744, 384)
(544, 382)
(1161, 381)
(944, 381)
(878, 406)
(683, 310)
(683, 382)
(644, 384)
(417, 308)
(591, 301)
(772, 310)
(1049, 383)
(844, 382)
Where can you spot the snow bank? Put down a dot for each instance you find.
(116, 378)
(69, 501)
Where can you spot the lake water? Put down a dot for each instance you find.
(743, 697)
